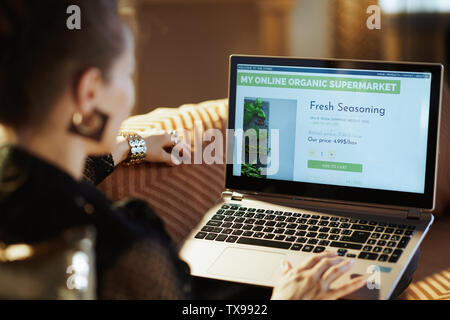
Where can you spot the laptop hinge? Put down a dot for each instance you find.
(413, 213)
(233, 195)
(237, 196)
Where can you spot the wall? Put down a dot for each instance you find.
(312, 27)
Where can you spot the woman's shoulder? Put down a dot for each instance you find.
(37, 213)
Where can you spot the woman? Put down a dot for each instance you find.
(64, 94)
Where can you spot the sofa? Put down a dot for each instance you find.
(182, 194)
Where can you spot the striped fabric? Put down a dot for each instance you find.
(208, 114)
(434, 287)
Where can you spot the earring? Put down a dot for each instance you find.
(92, 127)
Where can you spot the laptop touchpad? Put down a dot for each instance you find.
(247, 264)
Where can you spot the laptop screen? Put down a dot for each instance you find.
(365, 128)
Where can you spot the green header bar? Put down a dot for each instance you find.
(318, 83)
(338, 166)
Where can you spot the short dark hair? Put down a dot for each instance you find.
(40, 56)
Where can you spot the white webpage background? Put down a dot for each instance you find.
(392, 149)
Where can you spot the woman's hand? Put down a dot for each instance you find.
(159, 146)
(312, 280)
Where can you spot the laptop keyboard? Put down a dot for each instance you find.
(373, 240)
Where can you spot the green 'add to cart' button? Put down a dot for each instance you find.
(339, 166)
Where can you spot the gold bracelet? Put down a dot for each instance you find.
(138, 148)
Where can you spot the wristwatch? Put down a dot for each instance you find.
(138, 148)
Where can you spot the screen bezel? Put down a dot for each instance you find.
(333, 192)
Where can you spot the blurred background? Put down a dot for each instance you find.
(183, 45)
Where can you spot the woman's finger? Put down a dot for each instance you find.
(285, 266)
(319, 269)
(336, 271)
(311, 262)
(167, 140)
(347, 288)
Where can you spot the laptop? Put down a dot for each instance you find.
(323, 154)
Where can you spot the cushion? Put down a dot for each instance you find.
(433, 287)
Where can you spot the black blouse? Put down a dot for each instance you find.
(135, 258)
(96, 169)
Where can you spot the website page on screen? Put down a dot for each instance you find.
(357, 128)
